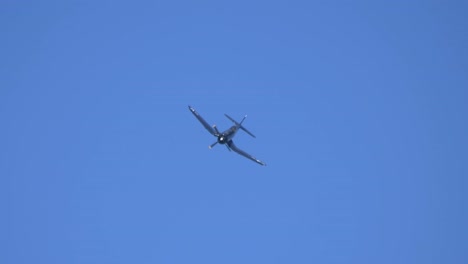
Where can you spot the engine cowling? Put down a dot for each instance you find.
(222, 139)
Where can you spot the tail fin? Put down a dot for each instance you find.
(243, 119)
(240, 124)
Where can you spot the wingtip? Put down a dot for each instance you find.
(192, 109)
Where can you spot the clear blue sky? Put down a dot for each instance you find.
(360, 109)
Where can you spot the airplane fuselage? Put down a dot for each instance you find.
(227, 135)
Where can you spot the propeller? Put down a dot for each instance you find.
(216, 134)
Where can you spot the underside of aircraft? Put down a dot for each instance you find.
(225, 137)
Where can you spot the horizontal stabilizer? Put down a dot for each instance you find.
(240, 124)
(246, 131)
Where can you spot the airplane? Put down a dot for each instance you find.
(225, 138)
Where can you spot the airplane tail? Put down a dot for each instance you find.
(240, 124)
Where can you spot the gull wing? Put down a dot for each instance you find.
(231, 145)
(202, 121)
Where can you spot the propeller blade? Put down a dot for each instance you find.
(216, 130)
(212, 145)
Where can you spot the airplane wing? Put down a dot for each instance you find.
(231, 145)
(202, 121)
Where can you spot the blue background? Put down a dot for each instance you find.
(359, 108)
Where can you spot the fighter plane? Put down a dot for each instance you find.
(225, 138)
